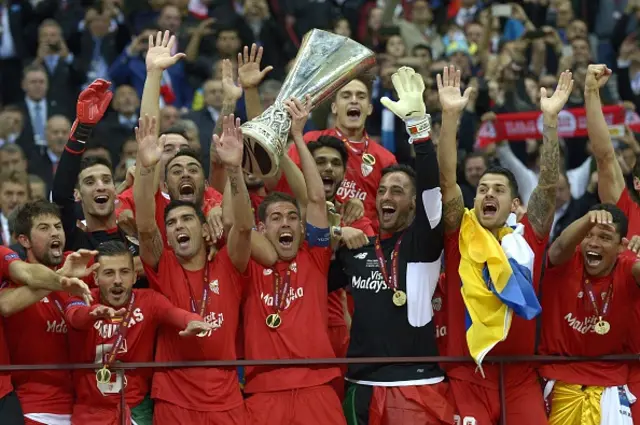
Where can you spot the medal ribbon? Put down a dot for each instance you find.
(391, 280)
(352, 147)
(278, 296)
(205, 292)
(122, 331)
(592, 297)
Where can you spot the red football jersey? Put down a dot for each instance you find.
(200, 389)
(521, 339)
(38, 335)
(92, 342)
(632, 210)
(568, 320)
(212, 198)
(336, 309)
(303, 333)
(359, 182)
(6, 257)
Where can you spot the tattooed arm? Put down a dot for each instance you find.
(543, 199)
(453, 103)
(239, 240)
(542, 203)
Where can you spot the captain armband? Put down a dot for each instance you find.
(319, 237)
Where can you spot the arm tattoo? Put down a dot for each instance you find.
(227, 108)
(233, 184)
(542, 202)
(452, 212)
(157, 245)
(146, 170)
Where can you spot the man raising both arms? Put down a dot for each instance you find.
(477, 398)
(351, 106)
(612, 189)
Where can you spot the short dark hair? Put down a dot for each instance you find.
(90, 161)
(177, 203)
(472, 155)
(28, 213)
(366, 78)
(16, 177)
(185, 151)
(330, 142)
(620, 220)
(175, 129)
(13, 148)
(113, 249)
(273, 198)
(401, 168)
(513, 183)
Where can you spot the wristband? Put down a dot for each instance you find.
(81, 132)
(336, 231)
(419, 128)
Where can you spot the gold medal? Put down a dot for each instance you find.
(103, 376)
(399, 298)
(602, 327)
(274, 320)
(368, 159)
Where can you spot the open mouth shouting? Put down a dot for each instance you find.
(187, 191)
(593, 259)
(55, 248)
(489, 208)
(118, 293)
(354, 113)
(388, 212)
(328, 183)
(101, 199)
(286, 240)
(183, 240)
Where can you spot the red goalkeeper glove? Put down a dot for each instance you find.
(91, 106)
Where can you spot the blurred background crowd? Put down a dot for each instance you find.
(51, 49)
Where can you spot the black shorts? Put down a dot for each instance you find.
(11, 410)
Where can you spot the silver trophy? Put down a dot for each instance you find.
(325, 63)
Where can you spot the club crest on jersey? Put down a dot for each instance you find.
(214, 287)
(436, 303)
(580, 294)
(293, 267)
(267, 272)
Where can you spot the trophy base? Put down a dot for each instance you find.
(261, 156)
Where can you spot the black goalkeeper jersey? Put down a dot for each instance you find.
(379, 327)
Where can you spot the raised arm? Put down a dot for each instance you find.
(610, 179)
(563, 248)
(91, 106)
(150, 149)
(317, 205)
(542, 204)
(231, 95)
(452, 102)
(250, 77)
(229, 147)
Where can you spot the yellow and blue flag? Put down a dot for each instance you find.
(496, 277)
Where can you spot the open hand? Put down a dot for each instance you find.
(632, 245)
(76, 287)
(75, 265)
(197, 328)
(410, 89)
(451, 99)
(229, 144)
(159, 54)
(230, 91)
(554, 104)
(352, 210)
(150, 146)
(249, 74)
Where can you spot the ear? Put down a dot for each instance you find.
(369, 109)
(515, 203)
(261, 227)
(95, 276)
(76, 195)
(413, 202)
(334, 108)
(163, 187)
(636, 184)
(24, 241)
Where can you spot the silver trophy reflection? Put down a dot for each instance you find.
(325, 62)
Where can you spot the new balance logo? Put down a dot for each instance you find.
(361, 256)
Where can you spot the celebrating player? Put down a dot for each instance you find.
(393, 279)
(366, 158)
(587, 288)
(120, 327)
(285, 308)
(474, 237)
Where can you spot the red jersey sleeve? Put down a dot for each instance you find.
(212, 199)
(125, 202)
(625, 203)
(152, 275)
(7, 257)
(387, 158)
(76, 312)
(321, 256)
(364, 224)
(167, 314)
